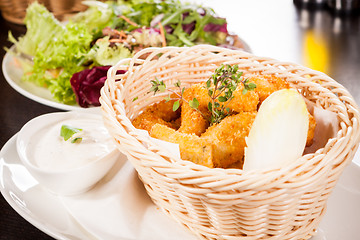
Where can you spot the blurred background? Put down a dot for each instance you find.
(313, 33)
(321, 34)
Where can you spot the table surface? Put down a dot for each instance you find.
(316, 37)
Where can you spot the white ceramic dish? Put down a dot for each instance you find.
(116, 208)
(131, 211)
(66, 168)
(13, 72)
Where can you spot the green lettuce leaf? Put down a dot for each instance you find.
(67, 132)
(98, 16)
(42, 28)
(58, 51)
(105, 53)
(64, 56)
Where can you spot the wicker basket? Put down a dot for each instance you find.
(229, 203)
(15, 10)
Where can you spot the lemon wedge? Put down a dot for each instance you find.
(278, 134)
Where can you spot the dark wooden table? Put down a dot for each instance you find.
(316, 38)
(15, 111)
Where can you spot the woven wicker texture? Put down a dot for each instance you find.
(286, 203)
(15, 10)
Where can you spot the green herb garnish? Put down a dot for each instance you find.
(68, 132)
(221, 86)
(160, 86)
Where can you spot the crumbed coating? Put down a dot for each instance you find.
(228, 137)
(222, 144)
(176, 123)
(192, 147)
(237, 165)
(164, 110)
(192, 121)
(160, 112)
(267, 84)
(311, 131)
(247, 102)
(146, 120)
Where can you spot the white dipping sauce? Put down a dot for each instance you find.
(51, 152)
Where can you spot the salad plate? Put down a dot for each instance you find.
(113, 45)
(12, 72)
(119, 208)
(116, 208)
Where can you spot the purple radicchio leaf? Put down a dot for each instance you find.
(188, 28)
(87, 84)
(147, 30)
(211, 27)
(168, 29)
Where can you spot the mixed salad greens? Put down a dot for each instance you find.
(71, 59)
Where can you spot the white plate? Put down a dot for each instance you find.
(13, 72)
(129, 213)
(116, 208)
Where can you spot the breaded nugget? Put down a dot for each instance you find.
(247, 102)
(176, 123)
(237, 165)
(147, 119)
(192, 147)
(161, 112)
(240, 103)
(164, 110)
(267, 84)
(311, 131)
(192, 121)
(199, 92)
(228, 137)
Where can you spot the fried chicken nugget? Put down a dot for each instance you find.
(164, 110)
(247, 102)
(192, 147)
(228, 138)
(267, 84)
(194, 122)
(161, 112)
(176, 123)
(311, 131)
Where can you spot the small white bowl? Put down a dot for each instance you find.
(66, 169)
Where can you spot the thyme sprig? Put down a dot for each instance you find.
(160, 86)
(220, 86)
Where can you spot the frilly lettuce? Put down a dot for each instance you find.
(106, 53)
(98, 16)
(148, 37)
(58, 51)
(42, 28)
